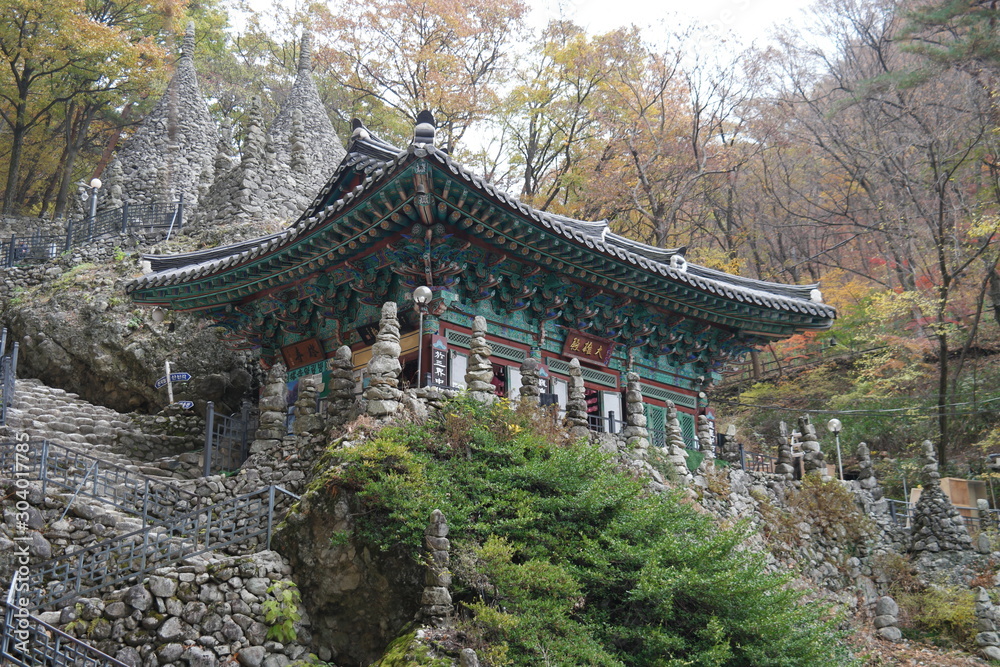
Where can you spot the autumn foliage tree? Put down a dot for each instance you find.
(62, 61)
(405, 56)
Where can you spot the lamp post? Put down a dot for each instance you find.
(834, 426)
(421, 297)
(95, 185)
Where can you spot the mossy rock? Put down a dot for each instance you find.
(408, 651)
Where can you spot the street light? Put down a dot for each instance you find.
(95, 185)
(421, 297)
(834, 426)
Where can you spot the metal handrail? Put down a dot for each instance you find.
(756, 461)
(27, 641)
(608, 424)
(64, 468)
(901, 513)
(229, 523)
(135, 219)
(8, 379)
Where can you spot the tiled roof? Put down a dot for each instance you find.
(375, 160)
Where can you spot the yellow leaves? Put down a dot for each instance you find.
(985, 226)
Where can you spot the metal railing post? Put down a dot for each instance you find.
(209, 427)
(611, 421)
(3, 342)
(270, 513)
(145, 504)
(245, 417)
(10, 252)
(176, 216)
(43, 473)
(743, 460)
(125, 218)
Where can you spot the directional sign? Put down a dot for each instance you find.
(187, 405)
(174, 377)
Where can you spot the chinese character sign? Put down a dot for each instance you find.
(543, 378)
(587, 347)
(439, 360)
(303, 353)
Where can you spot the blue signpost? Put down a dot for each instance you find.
(174, 377)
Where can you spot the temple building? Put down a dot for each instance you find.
(549, 286)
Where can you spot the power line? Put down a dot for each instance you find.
(912, 411)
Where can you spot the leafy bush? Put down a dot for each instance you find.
(561, 558)
(944, 615)
(282, 613)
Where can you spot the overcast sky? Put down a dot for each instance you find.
(749, 19)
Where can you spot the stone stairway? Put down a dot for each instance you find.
(64, 418)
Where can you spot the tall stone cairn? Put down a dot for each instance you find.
(866, 474)
(986, 618)
(676, 451)
(887, 619)
(341, 391)
(786, 463)
(529, 381)
(239, 195)
(113, 193)
(273, 410)
(435, 602)
(987, 519)
(307, 418)
(812, 456)
(930, 472)
(479, 373)
(576, 403)
(730, 447)
(383, 392)
(635, 432)
(705, 444)
(179, 134)
(987, 527)
(317, 141)
(937, 525)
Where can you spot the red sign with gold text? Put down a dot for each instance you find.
(303, 353)
(587, 347)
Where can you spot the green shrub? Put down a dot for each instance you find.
(944, 615)
(561, 558)
(282, 613)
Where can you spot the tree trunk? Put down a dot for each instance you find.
(78, 123)
(14, 168)
(942, 399)
(995, 295)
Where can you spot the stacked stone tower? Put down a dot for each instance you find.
(302, 135)
(173, 151)
(282, 169)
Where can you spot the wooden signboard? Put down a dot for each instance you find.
(591, 348)
(302, 354)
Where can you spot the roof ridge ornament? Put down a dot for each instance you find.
(423, 132)
(358, 130)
